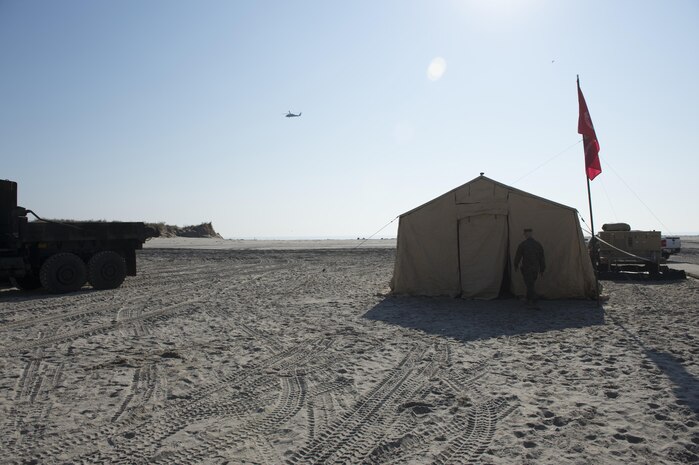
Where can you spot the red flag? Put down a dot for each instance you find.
(585, 127)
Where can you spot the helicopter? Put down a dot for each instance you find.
(292, 115)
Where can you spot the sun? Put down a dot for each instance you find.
(436, 69)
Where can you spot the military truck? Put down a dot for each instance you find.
(63, 256)
(620, 248)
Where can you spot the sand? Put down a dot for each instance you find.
(299, 356)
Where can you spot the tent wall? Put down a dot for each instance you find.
(426, 258)
(558, 231)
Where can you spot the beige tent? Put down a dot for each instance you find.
(464, 243)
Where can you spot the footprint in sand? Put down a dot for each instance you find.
(629, 438)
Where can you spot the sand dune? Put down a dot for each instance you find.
(298, 356)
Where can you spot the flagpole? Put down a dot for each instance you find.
(593, 242)
(589, 201)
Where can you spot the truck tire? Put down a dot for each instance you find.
(106, 270)
(63, 272)
(652, 268)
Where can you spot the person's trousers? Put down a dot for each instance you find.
(529, 280)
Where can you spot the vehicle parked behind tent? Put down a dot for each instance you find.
(670, 245)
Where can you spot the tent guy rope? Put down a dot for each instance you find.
(606, 163)
(546, 162)
(368, 238)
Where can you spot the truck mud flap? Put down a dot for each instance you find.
(12, 267)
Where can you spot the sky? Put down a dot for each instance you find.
(174, 110)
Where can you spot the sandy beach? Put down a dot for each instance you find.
(266, 354)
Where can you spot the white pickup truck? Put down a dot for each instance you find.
(670, 245)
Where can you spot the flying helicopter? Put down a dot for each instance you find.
(292, 115)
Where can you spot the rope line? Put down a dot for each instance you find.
(609, 199)
(309, 278)
(610, 245)
(382, 228)
(639, 198)
(624, 251)
(587, 230)
(68, 225)
(547, 161)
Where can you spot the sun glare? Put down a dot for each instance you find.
(497, 11)
(436, 69)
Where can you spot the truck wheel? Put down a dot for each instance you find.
(28, 282)
(653, 268)
(106, 270)
(63, 272)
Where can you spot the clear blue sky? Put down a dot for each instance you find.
(174, 111)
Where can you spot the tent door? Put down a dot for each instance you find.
(482, 255)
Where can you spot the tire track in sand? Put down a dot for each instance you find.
(145, 438)
(344, 434)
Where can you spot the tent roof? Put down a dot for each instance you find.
(494, 182)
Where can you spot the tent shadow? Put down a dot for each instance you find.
(469, 320)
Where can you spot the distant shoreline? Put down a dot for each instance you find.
(266, 244)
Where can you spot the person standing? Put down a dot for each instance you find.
(531, 255)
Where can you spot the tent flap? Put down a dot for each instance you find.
(482, 255)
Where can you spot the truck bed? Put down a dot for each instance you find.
(38, 231)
